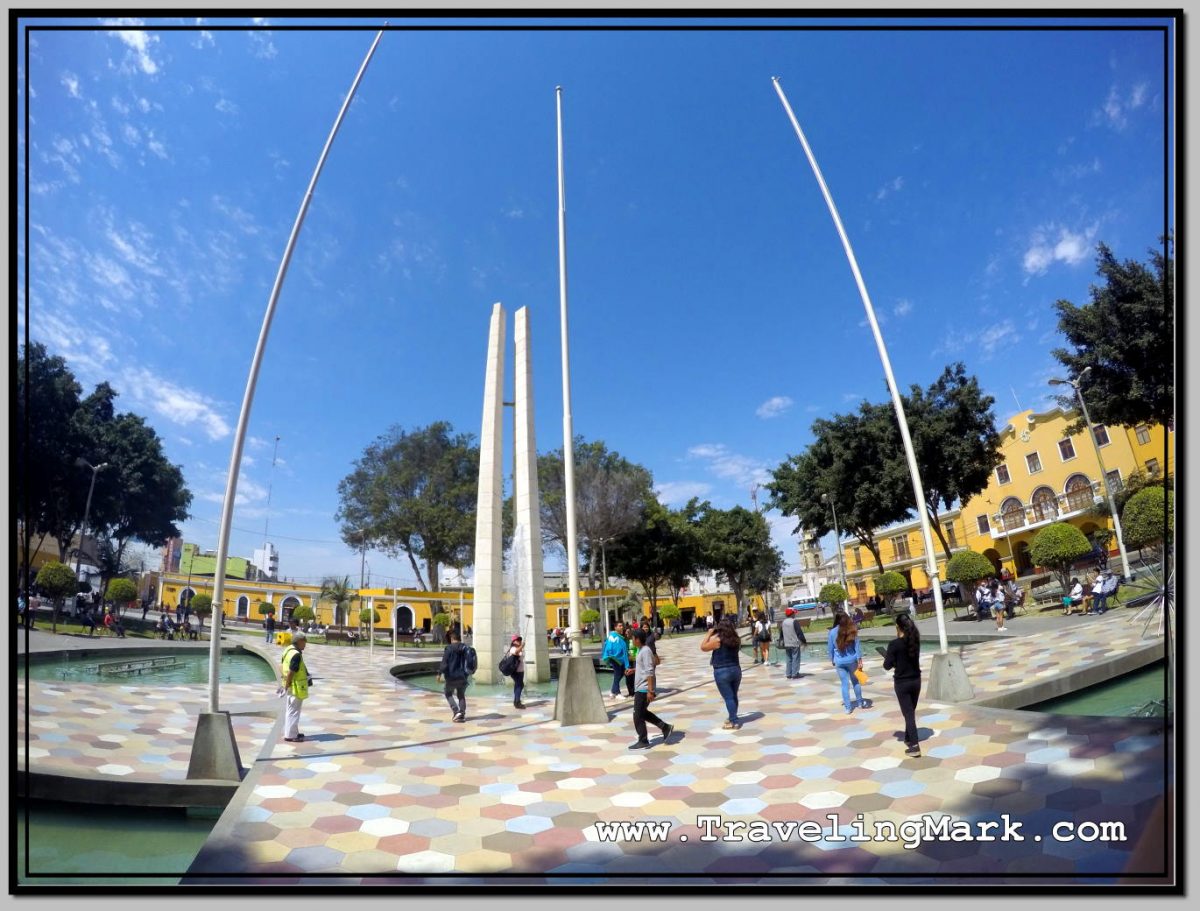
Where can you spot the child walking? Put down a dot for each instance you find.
(644, 693)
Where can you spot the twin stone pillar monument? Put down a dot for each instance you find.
(496, 617)
(526, 615)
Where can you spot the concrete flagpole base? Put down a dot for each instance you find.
(948, 680)
(579, 700)
(214, 749)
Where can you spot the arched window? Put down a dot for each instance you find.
(290, 603)
(404, 617)
(1045, 504)
(1012, 513)
(243, 607)
(1079, 492)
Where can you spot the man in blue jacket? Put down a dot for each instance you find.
(616, 656)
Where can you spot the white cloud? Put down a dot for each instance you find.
(774, 407)
(71, 83)
(143, 105)
(903, 307)
(892, 186)
(177, 404)
(740, 469)
(247, 493)
(1051, 243)
(225, 106)
(242, 219)
(261, 43)
(998, 335)
(514, 212)
(204, 38)
(138, 42)
(677, 493)
(1118, 105)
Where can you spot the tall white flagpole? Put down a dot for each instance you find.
(239, 437)
(918, 489)
(568, 431)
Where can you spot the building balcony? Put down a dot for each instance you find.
(1038, 515)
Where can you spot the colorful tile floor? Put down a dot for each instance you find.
(387, 788)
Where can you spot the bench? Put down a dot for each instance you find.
(341, 635)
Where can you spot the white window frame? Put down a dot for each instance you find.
(1156, 470)
(985, 527)
(1062, 458)
(1005, 480)
(1104, 430)
(1037, 456)
(1142, 429)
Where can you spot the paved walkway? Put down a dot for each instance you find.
(387, 786)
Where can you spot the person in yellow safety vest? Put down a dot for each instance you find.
(295, 686)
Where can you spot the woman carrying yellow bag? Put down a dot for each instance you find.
(845, 653)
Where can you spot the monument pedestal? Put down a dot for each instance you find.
(579, 700)
(214, 749)
(948, 680)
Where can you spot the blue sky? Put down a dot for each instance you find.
(713, 315)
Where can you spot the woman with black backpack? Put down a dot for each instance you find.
(517, 651)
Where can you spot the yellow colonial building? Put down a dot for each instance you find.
(1046, 475)
(396, 608)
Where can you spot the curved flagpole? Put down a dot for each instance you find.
(568, 431)
(918, 489)
(239, 437)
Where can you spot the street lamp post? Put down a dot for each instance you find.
(82, 462)
(838, 543)
(1074, 384)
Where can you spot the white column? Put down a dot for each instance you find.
(489, 579)
(527, 500)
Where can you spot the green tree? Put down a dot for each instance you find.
(967, 567)
(367, 616)
(832, 593)
(955, 441)
(415, 494)
(201, 606)
(669, 612)
(121, 592)
(664, 546)
(140, 496)
(610, 495)
(441, 622)
(1057, 547)
(889, 584)
(303, 613)
(736, 544)
(1148, 520)
(52, 489)
(57, 582)
(1126, 335)
(265, 609)
(850, 462)
(341, 594)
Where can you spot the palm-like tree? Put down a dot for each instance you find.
(341, 594)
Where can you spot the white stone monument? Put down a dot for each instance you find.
(491, 635)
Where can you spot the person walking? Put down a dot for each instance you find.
(616, 655)
(645, 693)
(762, 638)
(269, 625)
(517, 650)
(845, 654)
(997, 597)
(903, 658)
(294, 689)
(794, 640)
(724, 643)
(458, 663)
